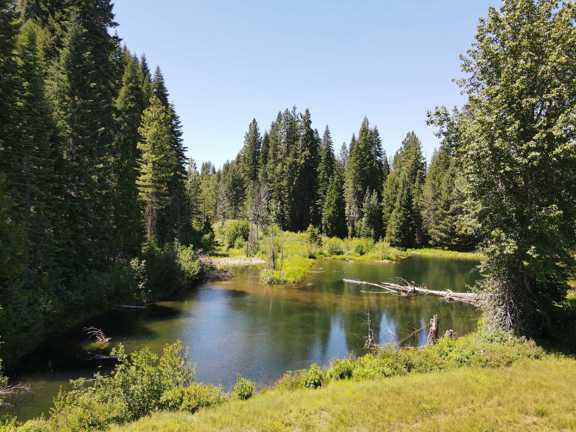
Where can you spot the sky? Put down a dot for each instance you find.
(228, 61)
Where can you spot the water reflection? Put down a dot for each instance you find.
(241, 327)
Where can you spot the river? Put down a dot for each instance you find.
(240, 326)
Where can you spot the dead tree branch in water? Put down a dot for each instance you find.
(97, 334)
(408, 289)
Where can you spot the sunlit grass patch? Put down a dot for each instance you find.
(534, 395)
(442, 253)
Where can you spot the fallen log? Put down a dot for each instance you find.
(410, 289)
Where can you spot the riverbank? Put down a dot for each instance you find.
(524, 397)
(145, 383)
(290, 256)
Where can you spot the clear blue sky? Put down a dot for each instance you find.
(226, 62)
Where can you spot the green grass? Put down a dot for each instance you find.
(442, 253)
(532, 395)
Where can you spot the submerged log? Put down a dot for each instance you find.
(409, 289)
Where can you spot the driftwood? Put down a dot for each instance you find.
(408, 289)
(14, 389)
(97, 334)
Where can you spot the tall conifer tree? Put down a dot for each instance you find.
(157, 164)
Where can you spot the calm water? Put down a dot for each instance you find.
(241, 327)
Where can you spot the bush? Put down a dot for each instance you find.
(189, 263)
(243, 389)
(169, 269)
(134, 389)
(192, 398)
(236, 230)
(314, 236)
(381, 365)
(291, 380)
(340, 369)
(334, 247)
(360, 249)
(313, 377)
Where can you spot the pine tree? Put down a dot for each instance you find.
(326, 167)
(8, 73)
(370, 224)
(130, 105)
(304, 194)
(250, 153)
(400, 229)
(82, 94)
(333, 215)
(174, 219)
(34, 180)
(364, 171)
(145, 79)
(194, 194)
(404, 187)
(157, 164)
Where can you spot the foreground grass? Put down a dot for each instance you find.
(532, 395)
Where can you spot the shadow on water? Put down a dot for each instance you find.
(239, 326)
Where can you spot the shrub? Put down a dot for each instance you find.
(236, 230)
(313, 377)
(243, 389)
(163, 274)
(360, 249)
(340, 369)
(373, 366)
(134, 389)
(334, 247)
(314, 236)
(291, 380)
(192, 398)
(189, 264)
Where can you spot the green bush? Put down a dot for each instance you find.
(134, 389)
(243, 389)
(334, 247)
(169, 269)
(381, 365)
(314, 236)
(313, 377)
(235, 230)
(192, 398)
(291, 380)
(189, 263)
(340, 369)
(360, 249)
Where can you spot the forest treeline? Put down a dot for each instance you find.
(291, 176)
(99, 204)
(93, 202)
